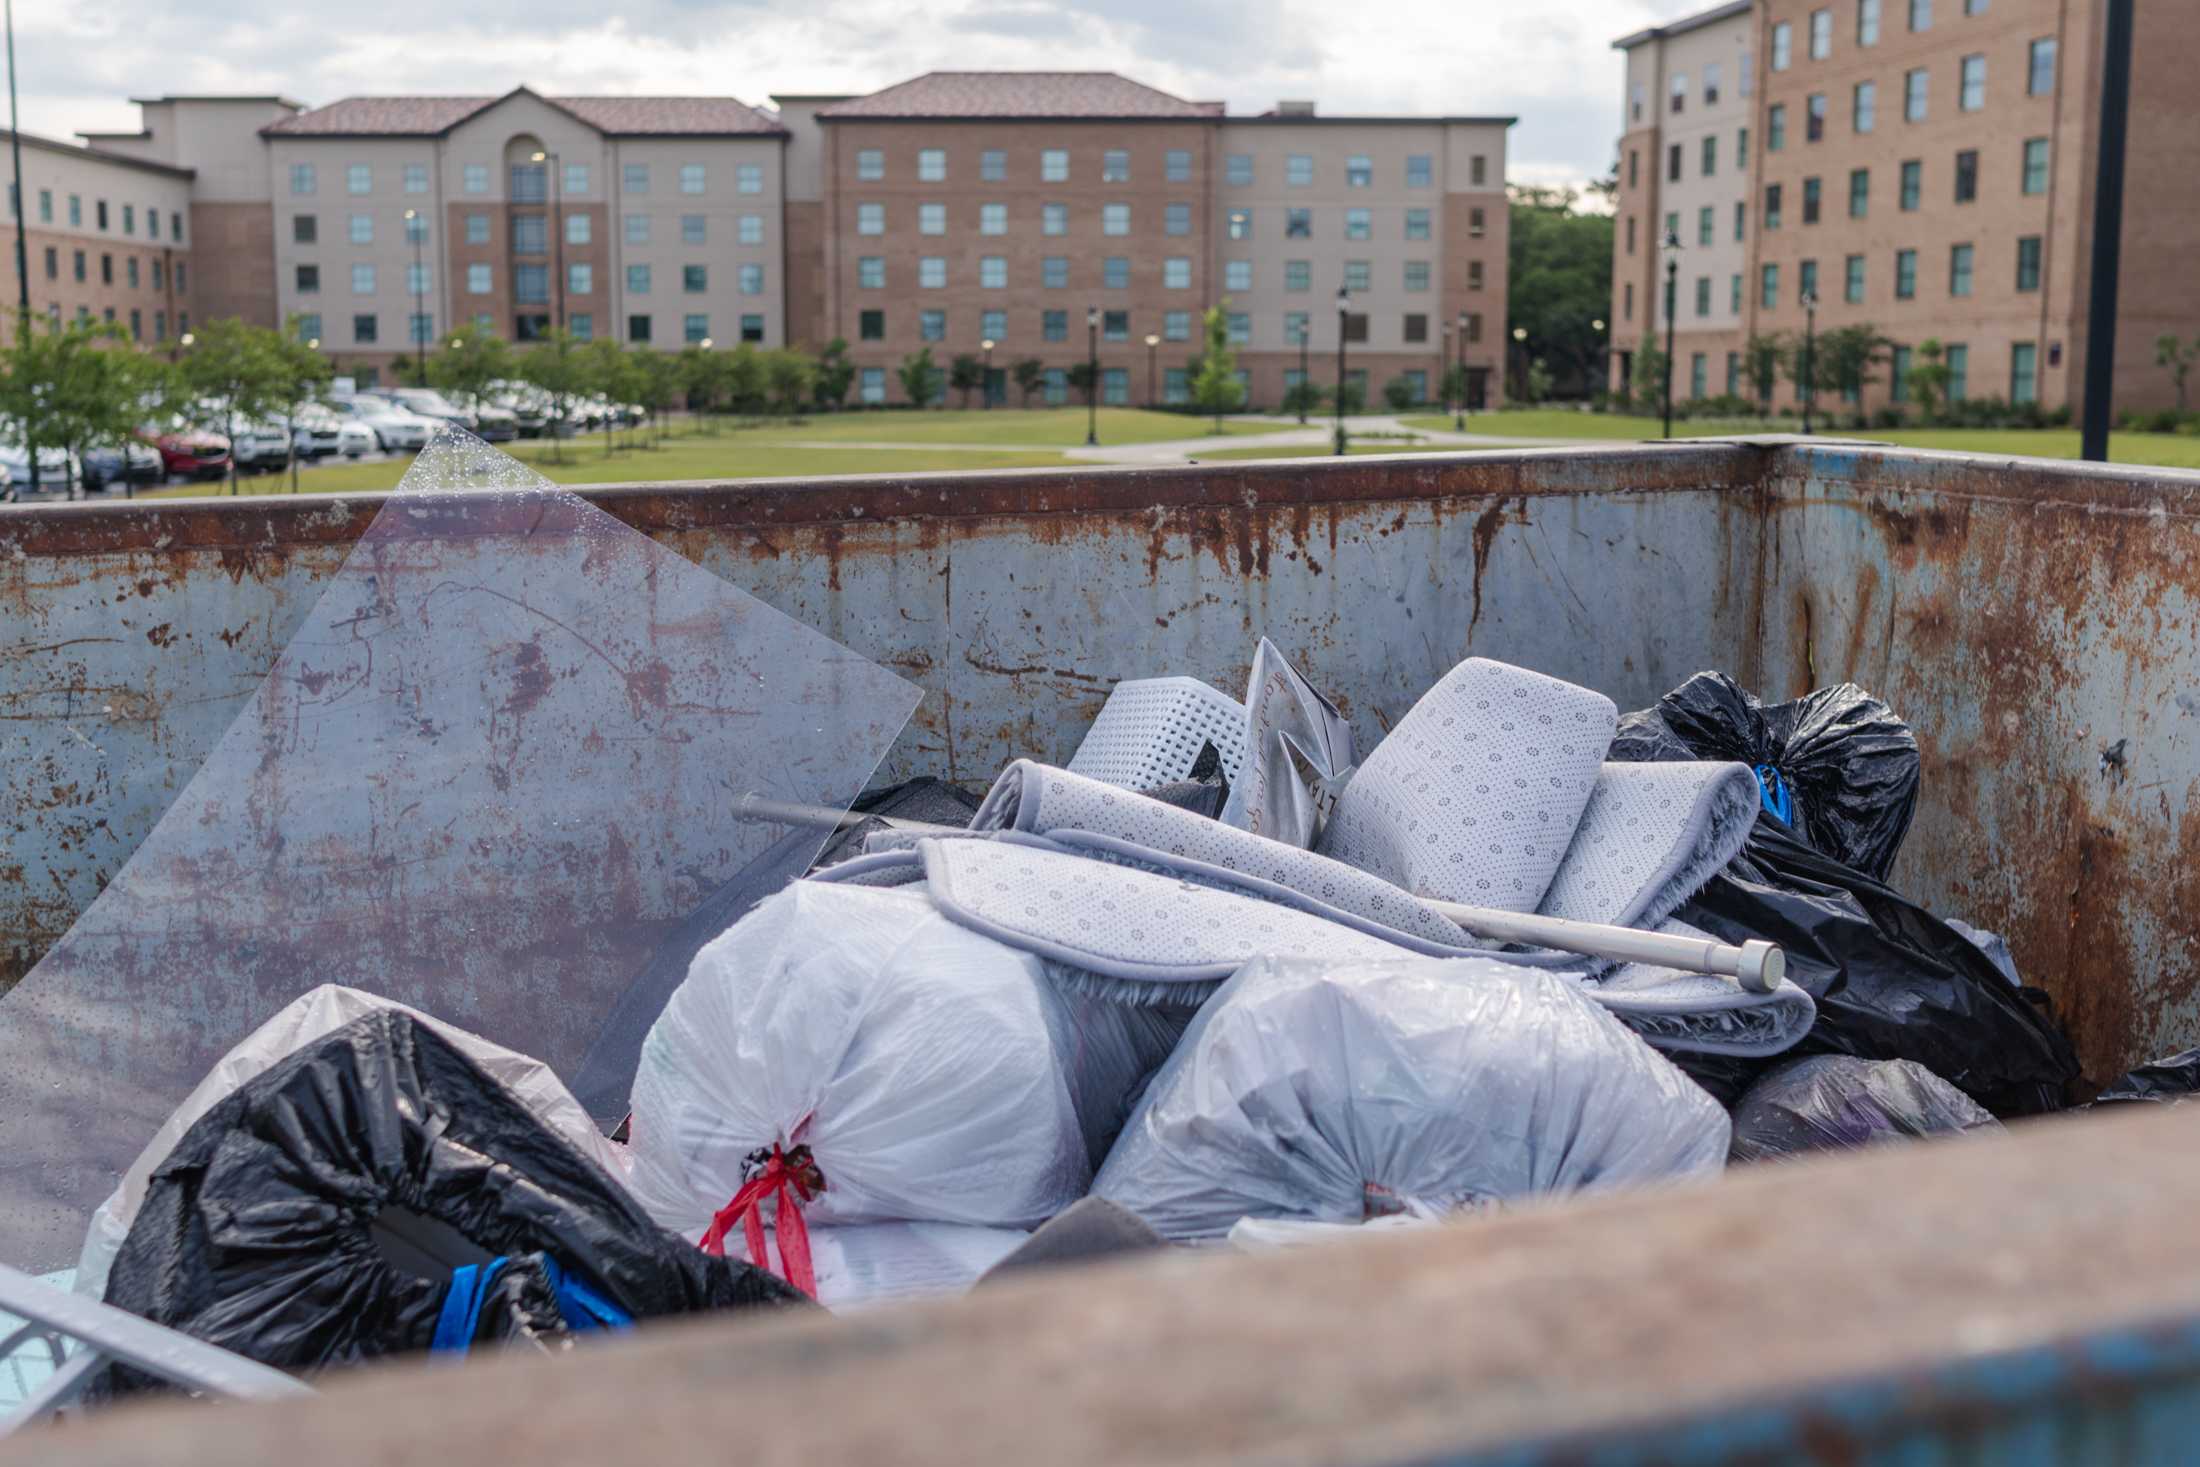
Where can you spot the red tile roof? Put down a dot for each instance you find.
(1020, 94)
(618, 116)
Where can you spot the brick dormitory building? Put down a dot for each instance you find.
(1926, 167)
(944, 212)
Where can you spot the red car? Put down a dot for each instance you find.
(193, 452)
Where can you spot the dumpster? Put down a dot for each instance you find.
(2033, 622)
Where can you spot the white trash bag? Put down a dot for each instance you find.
(932, 1073)
(1344, 1091)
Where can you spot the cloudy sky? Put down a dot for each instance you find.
(1549, 63)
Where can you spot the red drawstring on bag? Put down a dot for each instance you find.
(793, 1178)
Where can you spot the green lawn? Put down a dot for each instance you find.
(1566, 423)
(1320, 450)
(1007, 426)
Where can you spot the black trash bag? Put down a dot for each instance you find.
(1203, 791)
(315, 1216)
(1837, 765)
(1891, 980)
(1831, 1102)
(2169, 1081)
(1724, 1077)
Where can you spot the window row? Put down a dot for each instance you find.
(530, 232)
(135, 273)
(1358, 223)
(100, 216)
(528, 183)
(1115, 326)
(135, 317)
(2024, 360)
(2032, 180)
(1176, 221)
(1176, 273)
(2026, 264)
(1419, 169)
(1818, 32)
(531, 283)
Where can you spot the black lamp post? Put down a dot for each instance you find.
(1603, 362)
(1810, 355)
(1306, 383)
(1153, 345)
(1092, 376)
(557, 229)
(1672, 285)
(1459, 422)
(1344, 314)
(419, 233)
(22, 248)
(985, 383)
(1445, 377)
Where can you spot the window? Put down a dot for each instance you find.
(694, 279)
(1707, 228)
(1673, 227)
(1474, 318)
(1852, 280)
(307, 276)
(2039, 77)
(1768, 287)
(2024, 384)
(1359, 172)
(1733, 374)
(1115, 325)
(416, 227)
(1115, 166)
(577, 228)
(2035, 165)
(362, 280)
(1417, 275)
(992, 272)
(480, 279)
(634, 178)
(1710, 83)
(931, 218)
(1298, 224)
(530, 234)
(1054, 325)
(1860, 192)
(1115, 219)
(1635, 101)
(1864, 106)
(359, 178)
(1814, 117)
(1298, 275)
(1734, 292)
(1783, 42)
(419, 279)
(1867, 22)
(529, 184)
(158, 273)
(694, 229)
(871, 386)
(477, 229)
(1958, 359)
(1673, 163)
(1634, 159)
(304, 228)
(106, 269)
(1806, 281)
(932, 325)
(76, 201)
(1054, 165)
(748, 178)
(1741, 147)
(1477, 223)
(870, 164)
(1297, 324)
(1237, 170)
(992, 218)
(1905, 275)
(78, 264)
(1913, 94)
(1054, 272)
(129, 212)
(993, 325)
(1709, 162)
(1298, 170)
(1703, 295)
(695, 328)
(1698, 370)
(871, 325)
(871, 272)
(1177, 165)
(1176, 326)
(1913, 183)
(1821, 34)
(1921, 15)
(1176, 219)
(582, 324)
(1679, 90)
(750, 280)
(993, 166)
(152, 216)
(1358, 275)
(1115, 273)
(637, 280)
(1478, 169)
(931, 165)
(1115, 386)
(1741, 219)
(301, 182)
(1628, 312)
(1772, 206)
(1359, 224)
(637, 229)
(1054, 218)
(45, 206)
(1416, 329)
(692, 178)
(1898, 375)
(1959, 270)
(1776, 127)
(53, 263)
(365, 329)
(2028, 262)
(1238, 224)
(1176, 273)
(1238, 328)
(1966, 176)
(1972, 95)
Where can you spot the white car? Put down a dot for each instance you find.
(259, 446)
(58, 470)
(319, 431)
(393, 427)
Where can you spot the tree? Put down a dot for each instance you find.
(920, 377)
(611, 372)
(2178, 358)
(559, 366)
(1352, 395)
(1455, 384)
(1929, 378)
(1762, 355)
(1649, 373)
(1398, 394)
(1303, 398)
(1558, 283)
(75, 386)
(234, 373)
(659, 383)
(1215, 389)
(1029, 374)
(790, 376)
(466, 363)
(308, 374)
(1085, 378)
(1538, 383)
(1842, 360)
(702, 379)
(746, 386)
(966, 374)
(835, 374)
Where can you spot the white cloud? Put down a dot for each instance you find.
(1551, 65)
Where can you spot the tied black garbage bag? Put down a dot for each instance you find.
(1891, 980)
(2169, 1081)
(1836, 765)
(1831, 1102)
(317, 1215)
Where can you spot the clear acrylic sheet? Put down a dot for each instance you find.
(502, 772)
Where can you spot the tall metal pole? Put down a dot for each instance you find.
(2108, 233)
(1306, 383)
(557, 233)
(1672, 283)
(413, 226)
(1810, 358)
(22, 240)
(1092, 376)
(1344, 314)
(1153, 349)
(1445, 370)
(1459, 419)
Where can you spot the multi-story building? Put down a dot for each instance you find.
(1925, 167)
(1043, 212)
(107, 237)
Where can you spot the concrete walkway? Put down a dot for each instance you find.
(1286, 434)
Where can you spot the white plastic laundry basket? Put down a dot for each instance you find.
(1151, 730)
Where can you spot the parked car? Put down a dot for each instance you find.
(58, 470)
(428, 403)
(355, 439)
(191, 451)
(395, 429)
(260, 446)
(315, 432)
(123, 463)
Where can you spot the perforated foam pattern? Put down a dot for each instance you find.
(1151, 731)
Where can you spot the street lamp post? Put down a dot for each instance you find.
(1446, 369)
(557, 228)
(1672, 285)
(419, 235)
(1459, 421)
(1344, 314)
(1306, 383)
(22, 247)
(1520, 355)
(985, 383)
(1810, 355)
(1603, 365)
(1092, 376)
(1153, 345)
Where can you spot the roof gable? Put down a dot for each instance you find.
(1021, 94)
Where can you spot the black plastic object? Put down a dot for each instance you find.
(1203, 791)
(1891, 980)
(1831, 1102)
(1847, 764)
(314, 1216)
(2163, 1082)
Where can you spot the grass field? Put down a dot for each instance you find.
(1566, 423)
(1322, 450)
(1002, 426)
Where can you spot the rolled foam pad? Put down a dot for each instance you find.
(1649, 838)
